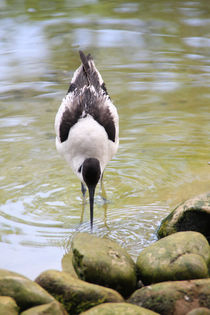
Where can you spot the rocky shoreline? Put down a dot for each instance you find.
(171, 276)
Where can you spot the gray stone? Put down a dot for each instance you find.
(104, 262)
(76, 295)
(191, 215)
(180, 256)
(173, 297)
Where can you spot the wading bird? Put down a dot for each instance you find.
(87, 127)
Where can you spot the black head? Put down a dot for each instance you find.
(91, 173)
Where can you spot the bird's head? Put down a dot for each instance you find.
(91, 173)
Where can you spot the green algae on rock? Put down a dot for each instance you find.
(8, 306)
(191, 215)
(53, 308)
(180, 256)
(67, 265)
(173, 297)
(118, 308)
(104, 262)
(76, 295)
(25, 292)
(199, 311)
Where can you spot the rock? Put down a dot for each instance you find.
(25, 292)
(104, 262)
(173, 297)
(67, 265)
(191, 215)
(8, 306)
(118, 308)
(76, 295)
(180, 256)
(5, 272)
(199, 311)
(53, 308)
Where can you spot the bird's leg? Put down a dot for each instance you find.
(83, 189)
(105, 204)
(103, 192)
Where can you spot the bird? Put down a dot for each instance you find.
(87, 127)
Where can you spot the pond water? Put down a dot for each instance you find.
(155, 59)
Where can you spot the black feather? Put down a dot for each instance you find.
(94, 105)
(69, 118)
(85, 101)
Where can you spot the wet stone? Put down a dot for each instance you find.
(104, 262)
(199, 311)
(173, 297)
(180, 256)
(53, 308)
(25, 292)
(76, 295)
(191, 215)
(8, 306)
(117, 309)
(67, 265)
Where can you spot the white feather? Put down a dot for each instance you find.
(87, 138)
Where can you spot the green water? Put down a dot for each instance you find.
(155, 59)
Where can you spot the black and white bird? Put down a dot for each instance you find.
(87, 127)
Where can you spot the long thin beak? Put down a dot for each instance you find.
(91, 195)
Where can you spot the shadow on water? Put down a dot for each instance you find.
(154, 57)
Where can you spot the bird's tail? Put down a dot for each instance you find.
(93, 76)
(86, 75)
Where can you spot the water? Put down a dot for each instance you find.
(154, 57)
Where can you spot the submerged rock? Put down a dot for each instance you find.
(104, 262)
(53, 308)
(25, 292)
(117, 309)
(8, 306)
(181, 256)
(173, 297)
(191, 215)
(76, 295)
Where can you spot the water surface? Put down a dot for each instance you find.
(154, 57)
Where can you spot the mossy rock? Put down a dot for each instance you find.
(25, 292)
(67, 265)
(118, 308)
(181, 256)
(5, 272)
(8, 306)
(199, 311)
(53, 308)
(76, 295)
(173, 297)
(191, 215)
(104, 262)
